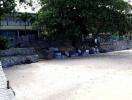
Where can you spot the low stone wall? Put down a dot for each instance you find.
(17, 60)
(121, 45)
(108, 48)
(117, 45)
(16, 56)
(17, 51)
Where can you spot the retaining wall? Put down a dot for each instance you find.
(17, 60)
(17, 51)
(18, 56)
(118, 45)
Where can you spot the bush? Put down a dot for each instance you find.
(3, 43)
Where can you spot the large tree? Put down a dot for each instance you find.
(6, 7)
(26, 18)
(72, 18)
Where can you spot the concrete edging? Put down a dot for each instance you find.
(5, 92)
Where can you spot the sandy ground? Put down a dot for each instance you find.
(102, 77)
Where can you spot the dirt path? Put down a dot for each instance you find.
(103, 77)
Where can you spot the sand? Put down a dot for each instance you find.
(102, 77)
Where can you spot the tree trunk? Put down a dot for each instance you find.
(99, 29)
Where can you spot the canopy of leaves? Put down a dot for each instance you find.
(76, 17)
(26, 17)
(6, 6)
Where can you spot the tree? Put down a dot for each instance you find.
(6, 6)
(73, 18)
(25, 17)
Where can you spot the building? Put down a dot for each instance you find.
(18, 32)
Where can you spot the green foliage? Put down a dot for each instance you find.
(26, 17)
(6, 6)
(3, 43)
(69, 18)
(45, 33)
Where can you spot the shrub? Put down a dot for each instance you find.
(3, 43)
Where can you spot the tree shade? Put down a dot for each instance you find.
(72, 18)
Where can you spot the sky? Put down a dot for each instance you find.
(25, 8)
(36, 6)
(130, 1)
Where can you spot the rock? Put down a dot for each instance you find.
(16, 60)
(17, 51)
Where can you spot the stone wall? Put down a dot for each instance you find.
(17, 51)
(18, 56)
(117, 45)
(17, 60)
